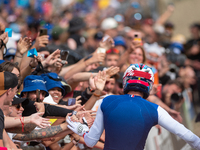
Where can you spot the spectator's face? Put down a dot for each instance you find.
(168, 90)
(10, 94)
(111, 60)
(136, 56)
(110, 85)
(119, 89)
(15, 71)
(32, 95)
(17, 110)
(56, 94)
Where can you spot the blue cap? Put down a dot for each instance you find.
(53, 80)
(34, 82)
(119, 40)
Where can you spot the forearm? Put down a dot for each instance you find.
(7, 141)
(1, 53)
(90, 103)
(164, 17)
(79, 77)
(18, 58)
(26, 60)
(26, 129)
(42, 133)
(52, 110)
(57, 137)
(78, 67)
(156, 100)
(11, 122)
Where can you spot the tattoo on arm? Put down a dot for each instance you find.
(39, 134)
(27, 128)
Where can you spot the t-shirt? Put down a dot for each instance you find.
(1, 124)
(127, 120)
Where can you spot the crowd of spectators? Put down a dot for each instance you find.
(80, 60)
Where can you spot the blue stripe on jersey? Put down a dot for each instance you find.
(127, 121)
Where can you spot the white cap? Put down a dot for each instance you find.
(154, 48)
(109, 23)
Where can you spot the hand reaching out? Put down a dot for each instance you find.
(100, 80)
(52, 59)
(39, 107)
(39, 121)
(23, 45)
(107, 42)
(4, 37)
(41, 41)
(111, 71)
(34, 62)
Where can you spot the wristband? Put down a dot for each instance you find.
(74, 113)
(75, 142)
(91, 90)
(96, 95)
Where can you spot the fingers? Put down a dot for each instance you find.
(40, 113)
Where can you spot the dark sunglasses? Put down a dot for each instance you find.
(18, 106)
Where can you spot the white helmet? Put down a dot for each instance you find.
(138, 77)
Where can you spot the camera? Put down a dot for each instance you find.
(176, 97)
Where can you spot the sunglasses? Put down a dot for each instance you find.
(112, 51)
(18, 106)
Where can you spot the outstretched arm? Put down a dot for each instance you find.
(25, 124)
(166, 121)
(42, 133)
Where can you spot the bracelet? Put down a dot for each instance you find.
(75, 142)
(22, 122)
(91, 90)
(96, 95)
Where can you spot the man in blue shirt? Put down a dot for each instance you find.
(127, 119)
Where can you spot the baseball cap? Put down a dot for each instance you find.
(53, 80)
(7, 80)
(119, 40)
(34, 82)
(18, 100)
(109, 23)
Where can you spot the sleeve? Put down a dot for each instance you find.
(166, 121)
(92, 137)
(52, 110)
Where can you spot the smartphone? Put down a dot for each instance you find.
(76, 93)
(43, 32)
(71, 101)
(37, 95)
(64, 54)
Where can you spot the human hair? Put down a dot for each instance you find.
(177, 82)
(143, 54)
(8, 66)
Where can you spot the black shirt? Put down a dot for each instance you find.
(50, 110)
(1, 124)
